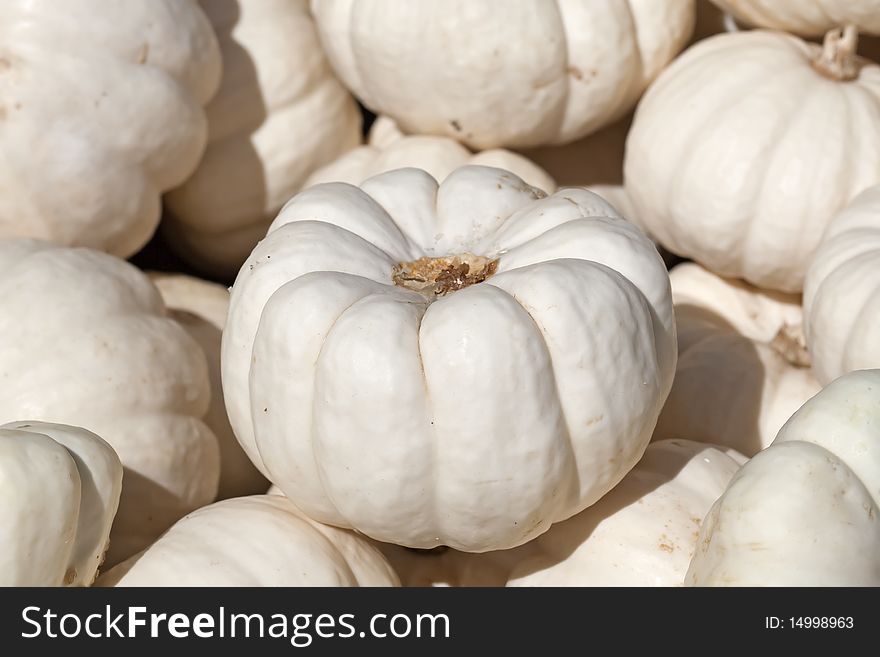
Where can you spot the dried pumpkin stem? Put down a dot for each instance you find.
(838, 59)
(791, 344)
(435, 277)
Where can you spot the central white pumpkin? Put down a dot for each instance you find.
(472, 414)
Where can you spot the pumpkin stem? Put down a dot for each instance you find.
(435, 277)
(791, 344)
(838, 59)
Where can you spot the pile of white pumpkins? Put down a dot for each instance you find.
(454, 352)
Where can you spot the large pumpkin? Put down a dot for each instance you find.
(460, 364)
(743, 368)
(742, 171)
(520, 74)
(842, 291)
(100, 112)
(60, 489)
(280, 113)
(93, 346)
(262, 540)
(804, 511)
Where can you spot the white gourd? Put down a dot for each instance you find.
(95, 348)
(805, 17)
(372, 376)
(842, 291)
(262, 540)
(721, 161)
(495, 74)
(804, 512)
(60, 488)
(101, 110)
(279, 114)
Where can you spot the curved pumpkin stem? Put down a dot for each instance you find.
(838, 59)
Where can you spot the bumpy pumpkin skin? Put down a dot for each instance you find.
(387, 148)
(742, 367)
(101, 110)
(271, 544)
(474, 419)
(804, 511)
(642, 533)
(810, 18)
(60, 488)
(575, 66)
(842, 291)
(201, 307)
(279, 114)
(94, 347)
(721, 161)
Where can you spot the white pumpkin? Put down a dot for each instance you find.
(742, 364)
(100, 112)
(387, 148)
(411, 360)
(805, 17)
(842, 291)
(642, 533)
(60, 488)
(201, 307)
(804, 512)
(94, 347)
(742, 171)
(261, 540)
(526, 74)
(280, 113)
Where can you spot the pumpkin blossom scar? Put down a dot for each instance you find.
(439, 276)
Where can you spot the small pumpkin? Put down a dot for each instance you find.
(530, 74)
(387, 148)
(842, 291)
(409, 358)
(101, 110)
(60, 488)
(200, 307)
(733, 168)
(95, 347)
(642, 533)
(804, 511)
(279, 114)
(743, 367)
(262, 540)
(805, 18)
